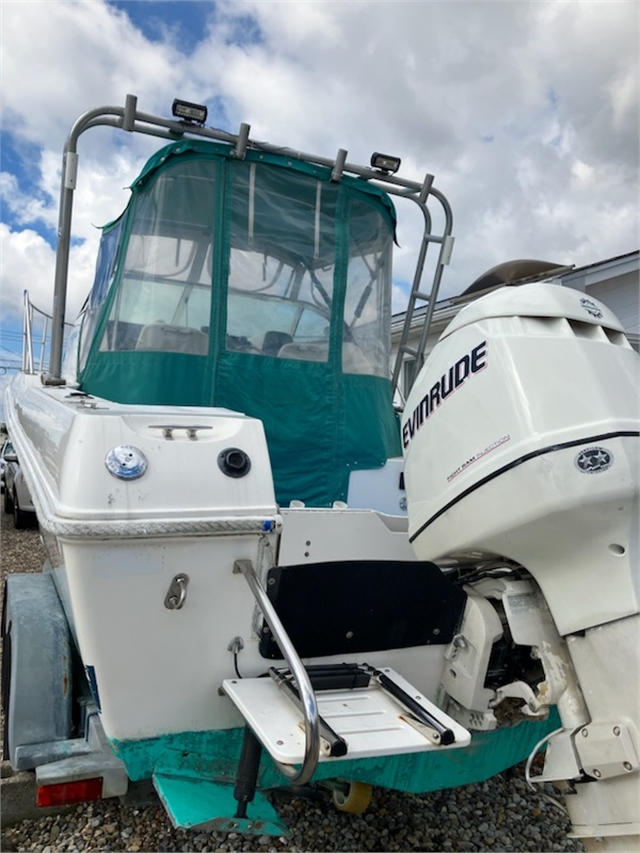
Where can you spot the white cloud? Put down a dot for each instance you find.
(62, 58)
(28, 263)
(23, 207)
(526, 113)
(500, 101)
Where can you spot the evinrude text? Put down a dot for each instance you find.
(449, 382)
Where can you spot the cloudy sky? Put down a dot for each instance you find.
(525, 112)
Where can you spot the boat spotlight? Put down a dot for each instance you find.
(194, 113)
(126, 462)
(385, 163)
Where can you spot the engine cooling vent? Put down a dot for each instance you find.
(594, 332)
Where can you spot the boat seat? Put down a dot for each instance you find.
(374, 605)
(163, 337)
(273, 342)
(353, 359)
(268, 343)
(305, 352)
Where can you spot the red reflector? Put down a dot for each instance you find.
(65, 793)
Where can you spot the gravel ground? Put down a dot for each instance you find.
(498, 815)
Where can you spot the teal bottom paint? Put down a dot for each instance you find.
(488, 754)
(209, 754)
(199, 803)
(213, 756)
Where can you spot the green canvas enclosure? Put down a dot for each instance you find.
(261, 286)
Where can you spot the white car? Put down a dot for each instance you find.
(17, 498)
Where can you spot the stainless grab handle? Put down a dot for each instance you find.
(307, 696)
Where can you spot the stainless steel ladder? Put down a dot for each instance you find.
(417, 295)
(362, 711)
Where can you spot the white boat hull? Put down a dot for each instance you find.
(116, 546)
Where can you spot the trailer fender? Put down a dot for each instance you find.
(36, 670)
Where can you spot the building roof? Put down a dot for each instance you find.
(522, 271)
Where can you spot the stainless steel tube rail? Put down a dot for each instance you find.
(446, 246)
(307, 696)
(27, 335)
(28, 357)
(129, 119)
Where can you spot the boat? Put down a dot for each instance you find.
(266, 571)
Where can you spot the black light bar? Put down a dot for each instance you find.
(195, 113)
(385, 163)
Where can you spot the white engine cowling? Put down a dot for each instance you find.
(521, 442)
(520, 438)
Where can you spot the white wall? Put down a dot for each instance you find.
(622, 297)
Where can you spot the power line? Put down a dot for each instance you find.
(13, 352)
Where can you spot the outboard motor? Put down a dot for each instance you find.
(521, 445)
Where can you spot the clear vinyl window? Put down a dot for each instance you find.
(366, 339)
(283, 271)
(163, 301)
(281, 265)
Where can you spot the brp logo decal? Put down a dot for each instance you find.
(591, 308)
(594, 460)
